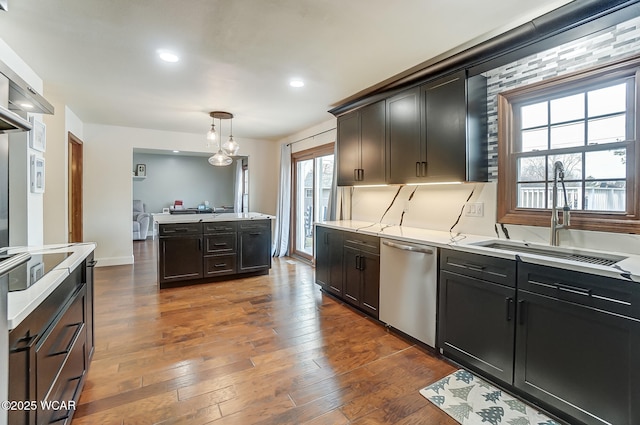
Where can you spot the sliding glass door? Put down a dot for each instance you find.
(312, 180)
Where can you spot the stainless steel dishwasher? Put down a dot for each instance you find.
(408, 289)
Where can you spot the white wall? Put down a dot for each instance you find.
(318, 135)
(56, 196)
(108, 153)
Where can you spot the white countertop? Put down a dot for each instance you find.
(21, 303)
(195, 218)
(627, 269)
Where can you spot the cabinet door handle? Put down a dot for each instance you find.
(92, 263)
(509, 304)
(362, 263)
(573, 289)
(199, 244)
(326, 238)
(24, 343)
(357, 262)
(355, 174)
(522, 312)
(424, 169)
(417, 169)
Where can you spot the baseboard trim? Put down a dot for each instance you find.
(114, 261)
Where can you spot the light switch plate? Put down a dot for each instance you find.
(474, 209)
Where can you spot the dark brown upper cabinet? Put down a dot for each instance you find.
(437, 132)
(405, 153)
(361, 146)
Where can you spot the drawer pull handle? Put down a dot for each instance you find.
(474, 267)
(92, 263)
(220, 244)
(220, 265)
(71, 341)
(255, 233)
(573, 289)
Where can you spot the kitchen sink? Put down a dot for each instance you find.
(553, 252)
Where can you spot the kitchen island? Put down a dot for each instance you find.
(49, 324)
(204, 248)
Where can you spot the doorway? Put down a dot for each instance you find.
(312, 181)
(75, 188)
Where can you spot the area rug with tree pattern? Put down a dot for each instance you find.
(472, 401)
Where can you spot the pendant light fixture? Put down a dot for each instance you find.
(220, 158)
(231, 147)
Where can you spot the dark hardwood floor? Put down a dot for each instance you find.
(262, 350)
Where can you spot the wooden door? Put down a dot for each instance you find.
(75, 188)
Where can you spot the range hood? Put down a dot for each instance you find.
(16, 99)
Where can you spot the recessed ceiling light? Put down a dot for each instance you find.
(168, 56)
(176, 151)
(296, 83)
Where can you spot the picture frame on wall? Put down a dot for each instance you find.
(37, 135)
(37, 174)
(141, 170)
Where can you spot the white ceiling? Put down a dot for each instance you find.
(237, 56)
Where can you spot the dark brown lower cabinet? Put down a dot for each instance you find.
(50, 351)
(198, 252)
(477, 323)
(255, 245)
(328, 262)
(578, 344)
(568, 341)
(348, 266)
(180, 252)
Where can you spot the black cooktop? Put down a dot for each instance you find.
(30, 272)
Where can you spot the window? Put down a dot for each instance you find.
(587, 121)
(312, 180)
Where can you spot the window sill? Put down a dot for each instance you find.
(579, 221)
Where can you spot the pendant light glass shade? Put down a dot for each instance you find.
(211, 136)
(220, 159)
(230, 147)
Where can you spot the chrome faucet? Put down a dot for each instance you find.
(558, 172)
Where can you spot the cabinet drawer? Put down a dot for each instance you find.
(603, 293)
(220, 243)
(497, 270)
(58, 342)
(67, 386)
(220, 227)
(180, 229)
(215, 265)
(249, 225)
(364, 242)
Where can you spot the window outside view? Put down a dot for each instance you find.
(585, 131)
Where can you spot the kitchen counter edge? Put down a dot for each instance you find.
(627, 269)
(22, 303)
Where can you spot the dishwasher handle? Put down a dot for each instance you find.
(411, 248)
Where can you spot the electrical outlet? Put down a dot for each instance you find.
(474, 209)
